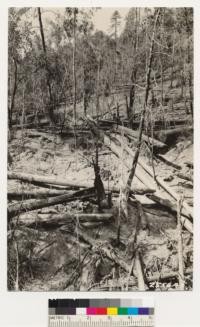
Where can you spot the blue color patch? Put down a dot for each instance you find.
(132, 311)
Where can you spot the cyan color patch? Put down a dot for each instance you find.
(132, 311)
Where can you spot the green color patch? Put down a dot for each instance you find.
(122, 311)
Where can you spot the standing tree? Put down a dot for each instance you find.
(143, 113)
(131, 35)
(76, 23)
(19, 43)
(115, 23)
(51, 103)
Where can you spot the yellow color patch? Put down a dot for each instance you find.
(112, 311)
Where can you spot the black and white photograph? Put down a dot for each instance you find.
(100, 149)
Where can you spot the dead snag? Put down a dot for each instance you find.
(143, 114)
(132, 241)
(180, 246)
(48, 72)
(98, 184)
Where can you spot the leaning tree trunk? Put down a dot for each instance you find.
(135, 159)
(48, 72)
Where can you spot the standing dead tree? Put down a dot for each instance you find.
(98, 184)
(75, 12)
(12, 105)
(48, 72)
(180, 246)
(147, 88)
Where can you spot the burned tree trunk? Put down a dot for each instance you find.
(98, 184)
(137, 152)
(12, 106)
(29, 205)
(48, 72)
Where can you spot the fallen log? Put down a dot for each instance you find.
(169, 190)
(189, 164)
(129, 132)
(37, 220)
(46, 180)
(173, 208)
(53, 187)
(29, 205)
(166, 276)
(185, 177)
(169, 136)
(156, 277)
(167, 161)
(35, 193)
(166, 204)
(187, 224)
(117, 151)
(63, 182)
(161, 183)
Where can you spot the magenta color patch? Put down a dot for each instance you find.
(91, 311)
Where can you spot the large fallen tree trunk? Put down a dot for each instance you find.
(117, 151)
(187, 209)
(161, 183)
(166, 276)
(63, 182)
(167, 204)
(38, 220)
(168, 161)
(175, 131)
(22, 194)
(170, 135)
(29, 205)
(173, 208)
(185, 177)
(129, 132)
(168, 189)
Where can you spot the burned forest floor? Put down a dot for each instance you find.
(71, 245)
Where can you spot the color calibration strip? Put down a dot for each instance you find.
(111, 307)
(101, 313)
